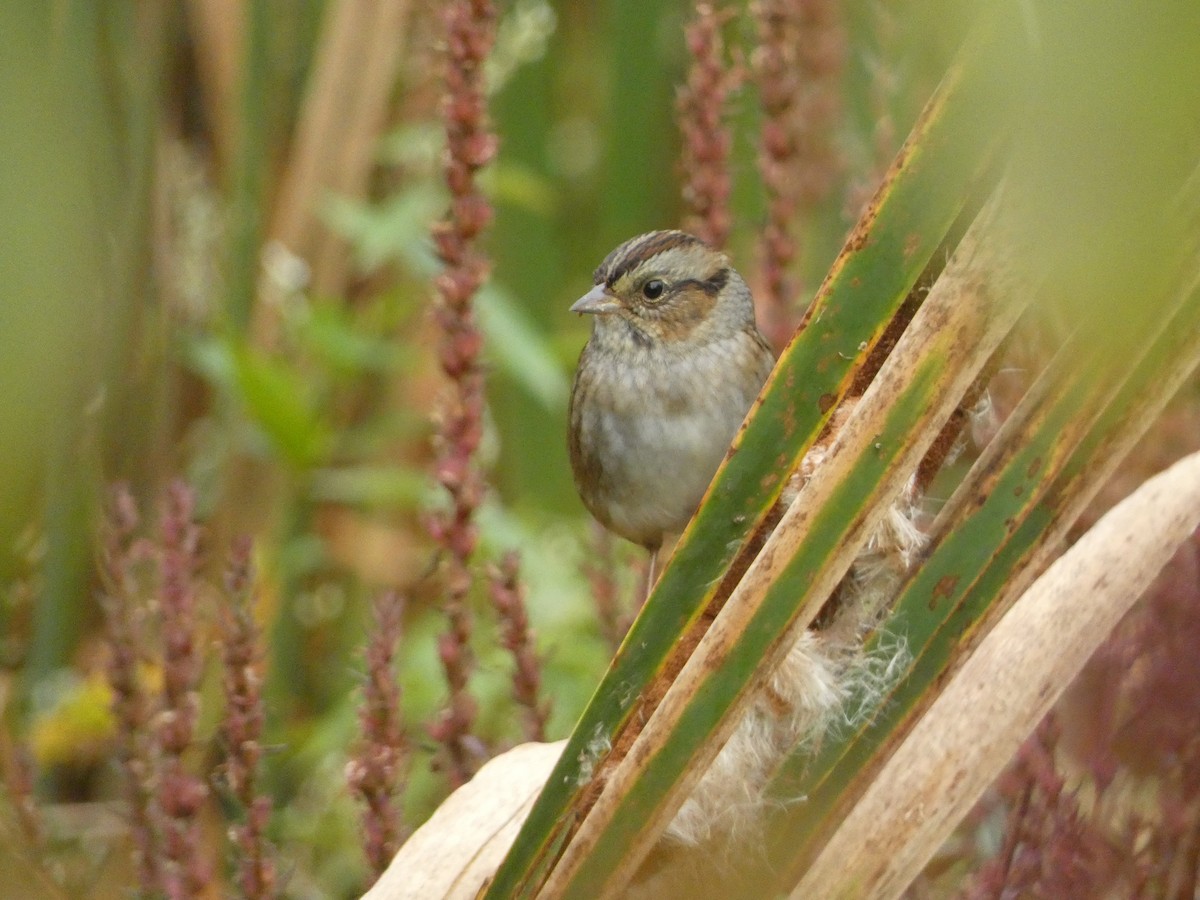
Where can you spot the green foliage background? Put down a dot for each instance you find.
(130, 272)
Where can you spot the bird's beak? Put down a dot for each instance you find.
(596, 301)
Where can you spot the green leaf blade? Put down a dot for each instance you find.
(949, 151)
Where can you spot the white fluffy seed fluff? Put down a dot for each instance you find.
(808, 696)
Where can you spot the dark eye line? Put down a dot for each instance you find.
(711, 286)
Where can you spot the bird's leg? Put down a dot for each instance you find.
(650, 573)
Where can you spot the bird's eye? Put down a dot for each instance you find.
(653, 289)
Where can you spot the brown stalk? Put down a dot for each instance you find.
(343, 114)
(218, 26)
(242, 726)
(797, 66)
(181, 795)
(375, 773)
(508, 599)
(600, 569)
(132, 705)
(17, 777)
(707, 139)
(470, 33)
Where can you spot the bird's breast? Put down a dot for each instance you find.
(651, 432)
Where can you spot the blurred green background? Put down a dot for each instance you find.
(153, 324)
(173, 304)
(205, 271)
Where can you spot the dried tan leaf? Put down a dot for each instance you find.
(1002, 692)
(452, 854)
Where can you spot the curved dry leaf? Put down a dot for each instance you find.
(452, 854)
(1019, 670)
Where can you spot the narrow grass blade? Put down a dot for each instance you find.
(949, 150)
(946, 763)
(1021, 501)
(961, 323)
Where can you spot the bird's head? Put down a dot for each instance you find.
(667, 287)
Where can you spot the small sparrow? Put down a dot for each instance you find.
(674, 362)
